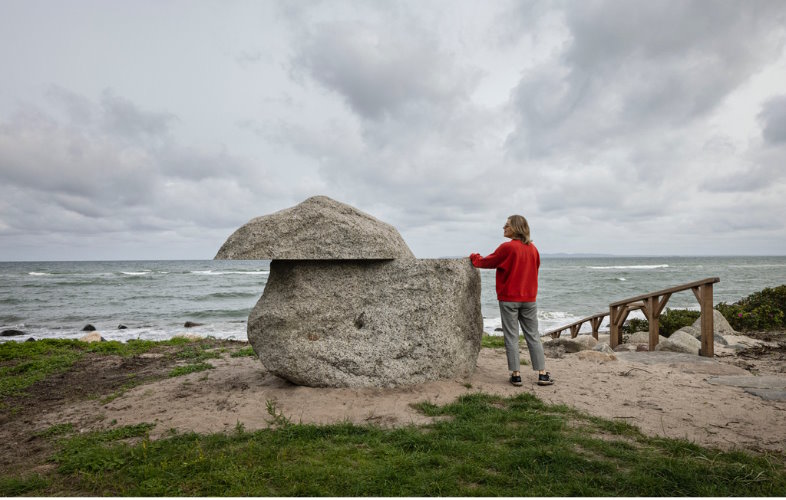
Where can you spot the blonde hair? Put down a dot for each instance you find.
(518, 224)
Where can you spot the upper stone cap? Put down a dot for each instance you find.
(319, 228)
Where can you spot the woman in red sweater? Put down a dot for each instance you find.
(517, 262)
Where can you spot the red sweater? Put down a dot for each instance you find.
(517, 270)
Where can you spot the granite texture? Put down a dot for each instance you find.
(319, 228)
(368, 323)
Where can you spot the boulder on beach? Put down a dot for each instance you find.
(89, 328)
(680, 341)
(603, 347)
(11, 333)
(720, 326)
(360, 324)
(597, 356)
(191, 324)
(188, 336)
(643, 338)
(319, 228)
(93, 337)
(571, 345)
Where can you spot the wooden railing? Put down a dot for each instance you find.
(652, 304)
(593, 320)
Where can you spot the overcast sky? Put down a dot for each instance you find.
(154, 129)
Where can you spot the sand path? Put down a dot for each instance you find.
(663, 397)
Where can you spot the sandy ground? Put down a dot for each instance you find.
(663, 396)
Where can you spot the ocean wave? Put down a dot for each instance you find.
(229, 295)
(135, 273)
(220, 313)
(33, 273)
(219, 273)
(653, 266)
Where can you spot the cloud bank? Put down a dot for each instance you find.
(624, 127)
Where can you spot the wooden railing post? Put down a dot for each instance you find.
(595, 322)
(613, 329)
(651, 311)
(707, 327)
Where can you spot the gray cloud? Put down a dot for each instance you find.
(596, 120)
(108, 167)
(773, 118)
(380, 72)
(638, 67)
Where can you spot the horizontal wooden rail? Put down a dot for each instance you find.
(653, 304)
(671, 290)
(594, 320)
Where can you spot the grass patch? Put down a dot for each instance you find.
(197, 352)
(16, 377)
(497, 341)
(490, 446)
(18, 486)
(192, 368)
(246, 351)
(22, 364)
(57, 430)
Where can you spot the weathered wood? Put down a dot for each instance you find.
(707, 327)
(652, 304)
(652, 317)
(662, 305)
(619, 315)
(599, 317)
(595, 322)
(671, 290)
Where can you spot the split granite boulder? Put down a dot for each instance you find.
(360, 324)
(346, 304)
(319, 228)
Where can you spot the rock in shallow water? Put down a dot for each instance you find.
(361, 324)
(11, 333)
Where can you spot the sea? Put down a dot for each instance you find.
(154, 299)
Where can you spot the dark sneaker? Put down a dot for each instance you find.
(515, 380)
(545, 379)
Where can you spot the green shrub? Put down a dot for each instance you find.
(764, 310)
(668, 322)
(635, 325)
(674, 319)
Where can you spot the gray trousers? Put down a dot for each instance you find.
(526, 314)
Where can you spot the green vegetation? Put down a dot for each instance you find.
(197, 352)
(192, 368)
(481, 446)
(495, 341)
(764, 310)
(22, 364)
(246, 351)
(669, 322)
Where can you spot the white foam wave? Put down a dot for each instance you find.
(39, 274)
(654, 266)
(135, 273)
(218, 273)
